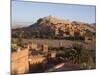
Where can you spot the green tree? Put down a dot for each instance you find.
(78, 48)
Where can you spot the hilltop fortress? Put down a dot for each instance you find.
(57, 28)
(67, 27)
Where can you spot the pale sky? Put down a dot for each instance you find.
(27, 12)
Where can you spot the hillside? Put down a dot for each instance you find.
(51, 26)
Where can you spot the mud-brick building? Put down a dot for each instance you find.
(36, 59)
(45, 47)
(19, 61)
(34, 46)
(53, 54)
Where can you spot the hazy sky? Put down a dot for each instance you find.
(28, 12)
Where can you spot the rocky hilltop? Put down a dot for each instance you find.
(51, 26)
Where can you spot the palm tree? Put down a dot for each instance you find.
(20, 38)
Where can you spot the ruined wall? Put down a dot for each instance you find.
(36, 59)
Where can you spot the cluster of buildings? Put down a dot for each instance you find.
(69, 29)
(66, 27)
(22, 58)
(31, 53)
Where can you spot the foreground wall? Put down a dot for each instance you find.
(20, 61)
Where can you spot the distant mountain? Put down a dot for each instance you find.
(17, 26)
